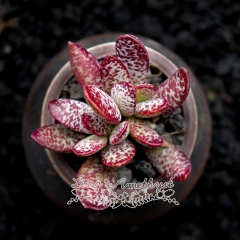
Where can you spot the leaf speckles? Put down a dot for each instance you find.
(102, 104)
(57, 137)
(118, 155)
(131, 51)
(175, 90)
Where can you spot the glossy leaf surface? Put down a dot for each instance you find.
(150, 108)
(102, 104)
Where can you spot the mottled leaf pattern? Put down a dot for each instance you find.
(145, 92)
(175, 90)
(141, 132)
(95, 194)
(102, 104)
(119, 133)
(85, 67)
(90, 145)
(169, 161)
(150, 108)
(124, 96)
(57, 137)
(118, 155)
(113, 71)
(68, 112)
(95, 124)
(134, 55)
(116, 88)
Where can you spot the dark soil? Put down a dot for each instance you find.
(206, 34)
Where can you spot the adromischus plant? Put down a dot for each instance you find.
(120, 103)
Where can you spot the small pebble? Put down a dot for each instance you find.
(160, 128)
(177, 121)
(76, 91)
(146, 168)
(177, 111)
(126, 173)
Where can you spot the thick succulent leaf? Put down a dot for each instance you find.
(175, 89)
(92, 188)
(90, 145)
(169, 161)
(124, 95)
(118, 155)
(113, 71)
(145, 92)
(141, 132)
(57, 137)
(102, 104)
(95, 124)
(119, 133)
(131, 51)
(68, 112)
(85, 67)
(150, 108)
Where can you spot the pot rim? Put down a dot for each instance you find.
(100, 51)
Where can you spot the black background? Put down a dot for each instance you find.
(205, 33)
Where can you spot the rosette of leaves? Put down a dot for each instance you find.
(120, 103)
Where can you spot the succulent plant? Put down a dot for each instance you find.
(116, 117)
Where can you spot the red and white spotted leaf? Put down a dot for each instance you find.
(131, 51)
(95, 124)
(85, 66)
(95, 184)
(90, 145)
(169, 161)
(150, 108)
(102, 104)
(118, 155)
(68, 112)
(141, 132)
(145, 92)
(113, 71)
(119, 133)
(124, 95)
(57, 137)
(175, 89)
